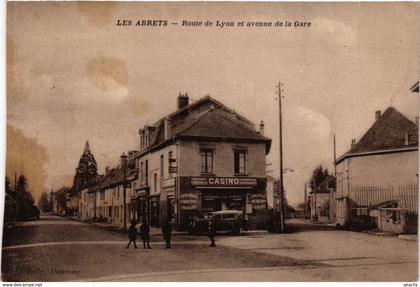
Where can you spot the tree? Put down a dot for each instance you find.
(10, 203)
(318, 176)
(7, 188)
(86, 171)
(321, 179)
(45, 202)
(25, 201)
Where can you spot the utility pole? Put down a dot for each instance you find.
(305, 207)
(335, 159)
(124, 167)
(282, 223)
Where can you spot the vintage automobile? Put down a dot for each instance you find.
(232, 221)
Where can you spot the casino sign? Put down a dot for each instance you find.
(230, 182)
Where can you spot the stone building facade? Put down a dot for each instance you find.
(381, 166)
(203, 157)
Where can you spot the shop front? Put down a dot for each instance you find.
(140, 205)
(202, 195)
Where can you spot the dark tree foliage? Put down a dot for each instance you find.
(86, 171)
(45, 202)
(321, 179)
(10, 204)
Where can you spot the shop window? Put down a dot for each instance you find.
(206, 161)
(239, 162)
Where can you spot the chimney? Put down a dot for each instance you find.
(182, 101)
(416, 120)
(123, 160)
(131, 154)
(262, 128)
(106, 170)
(406, 138)
(353, 143)
(377, 115)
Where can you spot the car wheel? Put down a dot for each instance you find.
(237, 231)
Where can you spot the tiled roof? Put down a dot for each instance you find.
(114, 177)
(206, 118)
(216, 124)
(388, 132)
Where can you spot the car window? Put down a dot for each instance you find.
(216, 216)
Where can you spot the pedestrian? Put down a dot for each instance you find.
(132, 234)
(145, 234)
(167, 233)
(212, 233)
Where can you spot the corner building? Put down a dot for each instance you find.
(204, 157)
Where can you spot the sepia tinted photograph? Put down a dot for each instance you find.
(211, 141)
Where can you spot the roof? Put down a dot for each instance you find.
(389, 132)
(115, 177)
(209, 119)
(216, 124)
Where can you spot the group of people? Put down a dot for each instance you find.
(166, 232)
(145, 234)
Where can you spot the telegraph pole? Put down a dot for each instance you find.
(335, 180)
(304, 200)
(282, 223)
(124, 167)
(335, 158)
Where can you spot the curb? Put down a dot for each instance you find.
(382, 234)
(408, 237)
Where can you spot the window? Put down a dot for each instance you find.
(239, 162)
(170, 158)
(206, 161)
(147, 172)
(155, 182)
(141, 173)
(161, 166)
(171, 163)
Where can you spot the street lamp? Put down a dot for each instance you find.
(124, 168)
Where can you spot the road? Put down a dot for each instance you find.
(59, 249)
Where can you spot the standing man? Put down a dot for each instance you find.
(132, 234)
(145, 234)
(167, 233)
(212, 233)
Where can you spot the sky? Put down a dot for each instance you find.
(74, 75)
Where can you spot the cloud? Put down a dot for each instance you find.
(336, 31)
(315, 124)
(107, 73)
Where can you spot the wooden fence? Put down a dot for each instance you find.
(406, 195)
